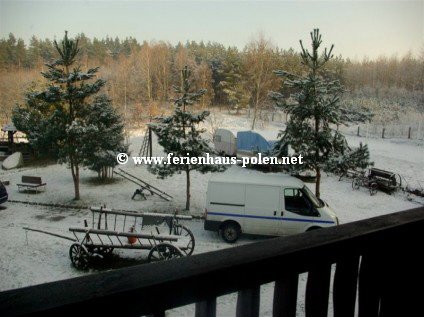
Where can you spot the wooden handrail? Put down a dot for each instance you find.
(386, 244)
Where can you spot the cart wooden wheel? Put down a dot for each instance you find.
(373, 189)
(79, 256)
(164, 251)
(187, 235)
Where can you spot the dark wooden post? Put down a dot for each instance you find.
(285, 296)
(345, 286)
(358, 131)
(317, 291)
(150, 142)
(369, 286)
(158, 314)
(206, 308)
(409, 133)
(382, 135)
(248, 302)
(11, 141)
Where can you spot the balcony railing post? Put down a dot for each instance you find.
(206, 308)
(345, 286)
(317, 291)
(157, 314)
(248, 302)
(401, 275)
(285, 296)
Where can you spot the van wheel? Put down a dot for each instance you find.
(230, 232)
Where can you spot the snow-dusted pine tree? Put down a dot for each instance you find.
(55, 119)
(180, 135)
(232, 83)
(315, 112)
(104, 137)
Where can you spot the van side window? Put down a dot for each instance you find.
(295, 201)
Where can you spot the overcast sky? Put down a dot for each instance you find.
(356, 28)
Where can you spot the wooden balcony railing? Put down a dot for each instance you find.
(378, 272)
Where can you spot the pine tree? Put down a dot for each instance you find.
(103, 137)
(316, 108)
(179, 134)
(54, 119)
(232, 83)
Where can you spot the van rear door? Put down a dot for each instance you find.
(262, 209)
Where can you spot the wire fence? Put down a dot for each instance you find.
(412, 131)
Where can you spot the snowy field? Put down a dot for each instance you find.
(34, 258)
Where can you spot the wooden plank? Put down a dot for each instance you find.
(285, 296)
(345, 286)
(317, 291)
(206, 308)
(138, 214)
(31, 179)
(146, 288)
(248, 301)
(126, 234)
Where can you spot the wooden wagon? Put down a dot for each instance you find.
(111, 229)
(376, 179)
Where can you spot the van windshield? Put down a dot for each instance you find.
(315, 201)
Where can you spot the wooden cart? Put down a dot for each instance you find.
(376, 179)
(111, 229)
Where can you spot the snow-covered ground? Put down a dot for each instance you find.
(30, 258)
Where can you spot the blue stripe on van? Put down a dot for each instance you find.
(265, 217)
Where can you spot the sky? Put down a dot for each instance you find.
(356, 28)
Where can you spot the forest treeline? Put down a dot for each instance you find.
(140, 76)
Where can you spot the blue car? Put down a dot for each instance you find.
(3, 193)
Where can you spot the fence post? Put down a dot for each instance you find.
(382, 135)
(409, 133)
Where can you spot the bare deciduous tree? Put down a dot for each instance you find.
(259, 60)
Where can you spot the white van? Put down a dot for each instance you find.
(263, 204)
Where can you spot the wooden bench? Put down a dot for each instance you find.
(31, 182)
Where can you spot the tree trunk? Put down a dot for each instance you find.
(188, 189)
(317, 182)
(75, 177)
(76, 183)
(254, 118)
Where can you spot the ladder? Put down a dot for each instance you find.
(146, 146)
(143, 185)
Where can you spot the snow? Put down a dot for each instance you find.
(30, 258)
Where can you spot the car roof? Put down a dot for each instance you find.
(256, 179)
